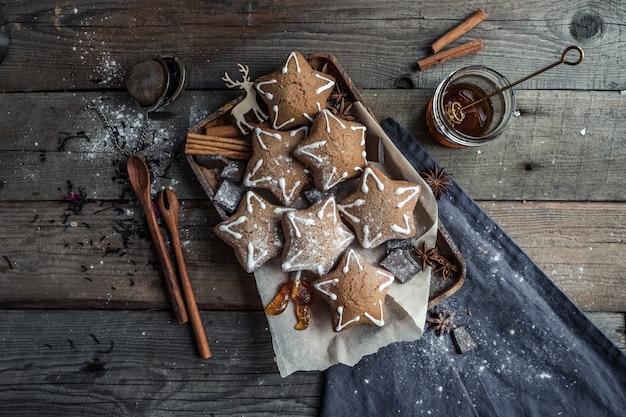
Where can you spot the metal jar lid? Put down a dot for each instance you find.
(157, 82)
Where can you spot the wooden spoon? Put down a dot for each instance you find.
(169, 208)
(139, 176)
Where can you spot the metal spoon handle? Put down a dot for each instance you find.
(563, 60)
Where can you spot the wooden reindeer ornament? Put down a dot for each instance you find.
(249, 103)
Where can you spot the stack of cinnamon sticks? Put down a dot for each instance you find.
(440, 56)
(225, 140)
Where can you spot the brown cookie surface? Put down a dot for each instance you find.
(272, 166)
(314, 237)
(294, 93)
(380, 208)
(355, 291)
(334, 150)
(254, 231)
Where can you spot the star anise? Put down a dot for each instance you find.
(438, 180)
(337, 97)
(445, 267)
(338, 104)
(427, 256)
(441, 321)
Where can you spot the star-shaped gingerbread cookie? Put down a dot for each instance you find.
(355, 292)
(380, 208)
(294, 93)
(254, 231)
(272, 166)
(334, 150)
(314, 237)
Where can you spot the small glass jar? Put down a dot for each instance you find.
(456, 126)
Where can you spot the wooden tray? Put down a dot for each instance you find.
(440, 287)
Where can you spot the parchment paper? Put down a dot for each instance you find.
(319, 347)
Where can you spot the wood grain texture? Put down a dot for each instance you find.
(543, 156)
(570, 241)
(85, 325)
(144, 364)
(87, 45)
(103, 257)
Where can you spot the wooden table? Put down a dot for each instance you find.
(85, 325)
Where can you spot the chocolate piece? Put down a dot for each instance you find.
(229, 195)
(234, 171)
(212, 161)
(463, 342)
(400, 244)
(313, 195)
(402, 265)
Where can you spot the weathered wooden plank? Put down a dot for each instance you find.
(102, 256)
(544, 155)
(612, 324)
(570, 242)
(552, 151)
(58, 363)
(106, 260)
(88, 45)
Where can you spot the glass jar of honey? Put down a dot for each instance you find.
(461, 113)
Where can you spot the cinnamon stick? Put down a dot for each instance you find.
(211, 150)
(219, 145)
(452, 53)
(459, 30)
(215, 139)
(228, 131)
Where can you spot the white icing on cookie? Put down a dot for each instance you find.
(334, 178)
(333, 210)
(259, 88)
(287, 196)
(297, 131)
(249, 182)
(226, 227)
(326, 113)
(367, 173)
(291, 56)
(293, 218)
(413, 191)
(251, 261)
(356, 203)
(329, 84)
(389, 277)
(285, 123)
(379, 322)
(288, 263)
(321, 287)
(258, 132)
(352, 257)
(309, 149)
(249, 196)
(341, 325)
(367, 242)
(399, 229)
